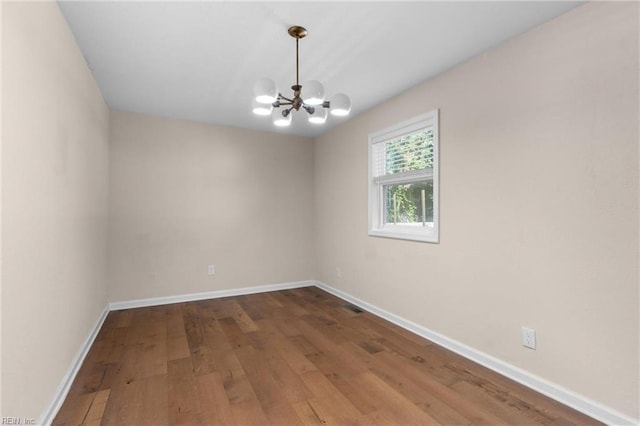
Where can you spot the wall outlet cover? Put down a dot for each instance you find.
(528, 337)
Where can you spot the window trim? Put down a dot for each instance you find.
(376, 184)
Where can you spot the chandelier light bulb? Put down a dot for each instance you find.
(340, 105)
(313, 93)
(260, 108)
(279, 119)
(319, 116)
(265, 91)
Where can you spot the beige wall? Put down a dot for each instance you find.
(54, 204)
(185, 195)
(539, 205)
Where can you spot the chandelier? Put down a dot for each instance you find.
(269, 101)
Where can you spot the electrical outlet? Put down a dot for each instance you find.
(338, 273)
(528, 337)
(212, 270)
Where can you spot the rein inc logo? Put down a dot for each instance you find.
(17, 421)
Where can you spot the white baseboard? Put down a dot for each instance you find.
(578, 402)
(63, 388)
(157, 301)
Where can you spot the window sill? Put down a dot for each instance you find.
(410, 233)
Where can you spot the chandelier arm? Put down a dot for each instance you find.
(286, 112)
(309, 109)
(285, 98)
(326, 104)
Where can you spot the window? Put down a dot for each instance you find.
(403, 180)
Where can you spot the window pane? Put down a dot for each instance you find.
(408, 153)
(403, 180)
(409, 204)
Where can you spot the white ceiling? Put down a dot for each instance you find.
(199, 60)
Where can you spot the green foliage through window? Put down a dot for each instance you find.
(409, 153)
(409, 203)
(412, 202)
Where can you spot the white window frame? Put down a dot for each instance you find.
(377, 227)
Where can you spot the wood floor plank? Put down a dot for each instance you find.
(279, 342)
(497, 384)
(153, 401)
(215, 406)
(74, 409)
(303, 345)
(141, 401)
(268, 391)
(236, 337)
(124, 318)
(298, 356)
(318, 384)
(293, 387)
(255, 310)
(96, 411)
(333, 409)
(286, 326)
(238, 387)
(402, 409)
(290, 304)
(184, 405)
(249, 413)
(322, 304)
(177, 343)
(271, 301)
(392, 371)
(272, 395)
(402, 380)
(361, 397)
(243, 320)
(201, 357)
(308, 415)
(151, 344)
(282, 414)
(382, 418)
(500, 399)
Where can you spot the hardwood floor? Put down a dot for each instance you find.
(285, 358)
